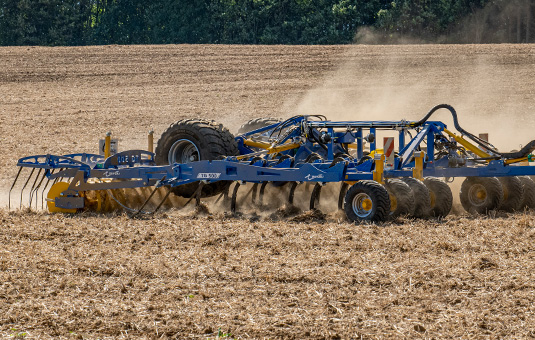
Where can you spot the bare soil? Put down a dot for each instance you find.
(190, 275)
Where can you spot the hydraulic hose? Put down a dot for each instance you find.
(474, 138)
(450, 108)
(311, 133)
(526, 150)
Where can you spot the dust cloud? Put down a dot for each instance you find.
(490, 86)
(4, 197)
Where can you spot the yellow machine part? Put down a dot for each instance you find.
(376, 151)
(97, 201)
(367, 204)
(55, 191)
(112, 200)
(469, 146)
(103, 200)
(268, 147)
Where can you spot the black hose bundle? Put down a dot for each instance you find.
(526, 150)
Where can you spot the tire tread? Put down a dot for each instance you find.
(373, 189)
(219, 143)
(257, 123)
(422, 197)
(512, 187)
(404, 197)
(443, 196)
(528, 201)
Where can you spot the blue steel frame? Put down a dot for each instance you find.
(136, 168)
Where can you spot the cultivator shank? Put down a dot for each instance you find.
(198, 158)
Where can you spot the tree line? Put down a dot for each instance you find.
(94, 22)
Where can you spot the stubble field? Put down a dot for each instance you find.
(189, 275)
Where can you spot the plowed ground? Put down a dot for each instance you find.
(203, 275)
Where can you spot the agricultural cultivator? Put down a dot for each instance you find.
(195, 159)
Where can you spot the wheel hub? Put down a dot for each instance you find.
(367, 204)
(477, 194)
(362, 205)
(183, 151)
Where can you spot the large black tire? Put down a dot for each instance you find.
(257, 123)
(479, 195)
(441, 196)
(362, 194)
(401, 197)
(422, 197)
(528, 199)
(192, 140)
(512, 193)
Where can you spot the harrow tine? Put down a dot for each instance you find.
(247, 194)
(162, 201)
(223, 195)
(36, 191)
(315, 196)
(159, 194)
(12, 186)
(43, 191)
(226, 193)
(254, 189)
(34, 187)
(233, 199)
(341, 197)
(145, 203)
(58, 179)
(198, 193)
(292, 193)
(24, 187)
(261, 194)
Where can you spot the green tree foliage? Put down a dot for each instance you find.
(457, 21)
(425, 19)
(189, 22)
(83, 22)
(123, 22)
(44, 22)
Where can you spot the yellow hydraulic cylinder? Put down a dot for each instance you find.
(524, 160)
(151, 141)
(267, 146)
(269, 150)
(107, 145)
(283, 147)
(378, 173)
(418, 170)
(254, 144)
(467, 144)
